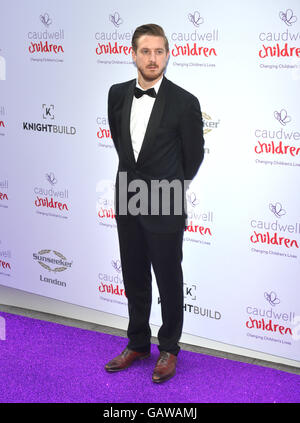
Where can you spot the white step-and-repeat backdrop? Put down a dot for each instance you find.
(57, 162)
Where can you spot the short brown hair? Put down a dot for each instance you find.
(148, 29)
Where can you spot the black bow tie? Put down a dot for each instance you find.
(139, 93)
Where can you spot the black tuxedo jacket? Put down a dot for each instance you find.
(172, 149)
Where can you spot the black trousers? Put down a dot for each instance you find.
(139, 249)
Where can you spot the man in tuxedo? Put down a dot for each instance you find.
(157, 130)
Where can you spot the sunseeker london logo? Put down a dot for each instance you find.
(273, 146)
(51, 198)
(197, 41)
(46, 41)
(274, 234)
(47, 124)
(54, 262)
(114, 45)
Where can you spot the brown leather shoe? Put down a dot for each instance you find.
(165, 367)
(124, 360)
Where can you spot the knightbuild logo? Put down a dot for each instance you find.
(103, 133)
(275, 232)
(279, 49)
(51, 199)
(54, 262)
(48, 116)
(275, 146)
(4, 193)
(272, 322)
(111, 286)
(2, 121)
(198, 42)
(114, 46)
(5, 261)
(46, 43)
(199, 225)
(192, 307)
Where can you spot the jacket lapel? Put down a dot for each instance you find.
(154, 122)
(125, 119)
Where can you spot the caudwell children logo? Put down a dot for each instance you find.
(5, 261)
(4, 193)
(46, 41)
(281, 142)
(105, 203)
(115, 42)
(270, 323)
(278, 233)
(104, 138)
(51, 199)
(111, 285)
(283, 43)
(197, 42)
(200, 222)
(2, 121)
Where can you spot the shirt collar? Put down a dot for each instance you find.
(156, 86)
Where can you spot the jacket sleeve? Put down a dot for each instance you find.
(191, 129)
(111, 119)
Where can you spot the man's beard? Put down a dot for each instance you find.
(152, 76)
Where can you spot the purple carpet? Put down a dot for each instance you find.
(43, 362)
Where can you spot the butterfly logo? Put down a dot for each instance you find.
(51, 178)
(288, 17)
(116, 264)
(116, 19)
(282, 117)
(195, 19)
(46, 19)
(277, 209)
(192, 199)
(272, 298)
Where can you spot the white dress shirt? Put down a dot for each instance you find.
(140, 113)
